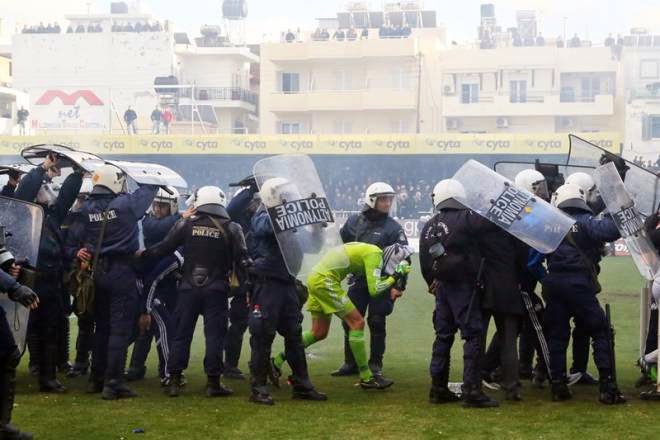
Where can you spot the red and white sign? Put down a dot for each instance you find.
(69, 110)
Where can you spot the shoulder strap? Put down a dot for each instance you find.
(585, 259)
(218, 225)
(99, 242)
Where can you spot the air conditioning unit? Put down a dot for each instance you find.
(566, 122)
(502, 122)
(453, 124)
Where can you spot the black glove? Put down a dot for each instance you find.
(23, 295)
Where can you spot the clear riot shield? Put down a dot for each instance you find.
(22, 222)
(150, 174)
(5, 170)
(68, 157)
(299, 211)
(526, 217)
(555, 174)
(642, 185)
(628, 220)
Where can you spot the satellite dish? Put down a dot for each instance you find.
(234, 9)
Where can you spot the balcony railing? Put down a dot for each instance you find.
(220, 94)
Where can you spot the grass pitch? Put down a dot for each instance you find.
(400, 412)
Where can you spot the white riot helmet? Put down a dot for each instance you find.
(393, 255)
(375, 190)
(169, 197)
(47, 195)
(584, 181)
(534, 182)
(569, 195)
(109, 177)
(278, 190)
(447, 194)
(209, 200)
(86, 187)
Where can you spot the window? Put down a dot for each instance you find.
(518, 91)
(654, 123)
(343, 126)
(400, 126)
(649, 69)
(470, 93)
(343, 80)
(401, 79)
(289, 127)
(290, 83)
(590, 88)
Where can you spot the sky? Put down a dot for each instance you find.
(593, 19)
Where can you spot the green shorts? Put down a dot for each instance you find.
(326, 297)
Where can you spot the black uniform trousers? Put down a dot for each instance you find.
(211, 303)
(275, 308)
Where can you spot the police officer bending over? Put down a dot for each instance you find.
(213, 246)
(570, 290)
(116, 302)
(450, 260)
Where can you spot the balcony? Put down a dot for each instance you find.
(220, 97)
(344, 100)
(373, 47)
(541, 104)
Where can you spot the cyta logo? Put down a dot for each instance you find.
(110, 145)
(394, 145)
(444, 145)
(544, 145)
(298, 145)
(493, 145)
(346, 145)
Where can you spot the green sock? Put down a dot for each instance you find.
(359, 349)
(307, 339)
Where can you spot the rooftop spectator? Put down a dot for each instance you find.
(540, 41)
(289, 37)
(609, 41)
(575, 41)
(80, 29)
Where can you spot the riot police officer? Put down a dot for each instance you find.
(47, 320)
(241, 208)
(570, 289)
(213, 246)
(374, 226)
(73, 229)
(10, 355)
(275, 307)
(111, 217)
(451, 264)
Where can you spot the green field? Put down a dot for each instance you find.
(400, 412)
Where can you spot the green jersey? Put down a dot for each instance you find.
(363, 258)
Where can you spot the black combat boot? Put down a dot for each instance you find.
(304, 390)
(559, 390)
(609, 392)
(115, 389)
(174, 387)
(233, 373)
(474, 397)
(440, 393)
(7, 393)
(48, 382)
(261, 395)
(215, 388)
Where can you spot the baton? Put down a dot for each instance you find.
(476, 288)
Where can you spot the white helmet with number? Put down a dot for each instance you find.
(110, 177)
(277, 190)
(533, 181)
(447, 194)
(170, 198)
(209, 200)
(375, 190)
(569, 195)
